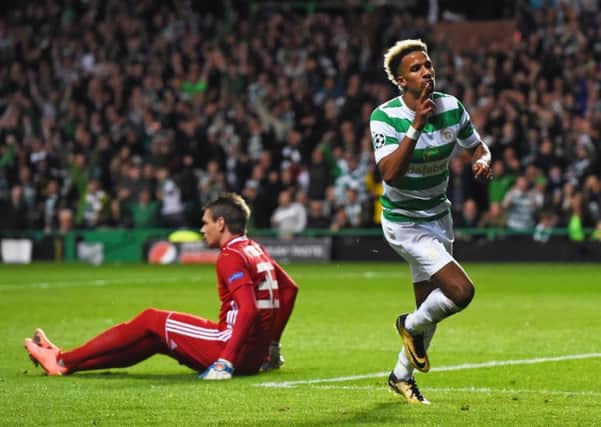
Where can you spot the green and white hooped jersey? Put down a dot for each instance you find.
(420, 195)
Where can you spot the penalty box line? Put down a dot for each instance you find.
(461, 367)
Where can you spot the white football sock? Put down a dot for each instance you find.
(403, 369)
(436, 307)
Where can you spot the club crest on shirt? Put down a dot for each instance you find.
(447, 135)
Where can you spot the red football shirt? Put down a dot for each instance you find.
(249, 282)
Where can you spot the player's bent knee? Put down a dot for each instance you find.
(465, 295)
(151, 318)
(149, 313)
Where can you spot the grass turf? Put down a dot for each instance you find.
(342, 326)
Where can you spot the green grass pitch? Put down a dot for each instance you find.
(526, 352)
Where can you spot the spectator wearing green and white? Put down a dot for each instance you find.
(521, 204)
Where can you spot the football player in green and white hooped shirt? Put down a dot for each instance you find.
(413, 137)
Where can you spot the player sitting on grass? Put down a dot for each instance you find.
(257, 297)
(413, 138)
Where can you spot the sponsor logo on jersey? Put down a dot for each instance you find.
(428, 168)
(237, 275)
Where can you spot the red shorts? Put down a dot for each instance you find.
(197, 342)
(194, 341)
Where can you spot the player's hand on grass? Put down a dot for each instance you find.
(221, 369)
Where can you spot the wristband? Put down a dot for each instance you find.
(413, 133)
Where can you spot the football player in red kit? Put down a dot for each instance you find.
(256, 294)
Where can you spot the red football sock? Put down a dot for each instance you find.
(124, 357)
(149, 323)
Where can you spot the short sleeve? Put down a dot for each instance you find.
(383, 134)
(468, 136)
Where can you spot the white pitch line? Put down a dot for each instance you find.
(484, 390)
(464, 366)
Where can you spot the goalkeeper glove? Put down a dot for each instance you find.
(221, 369)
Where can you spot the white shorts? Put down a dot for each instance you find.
(426, 246)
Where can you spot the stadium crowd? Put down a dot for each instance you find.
(134, 114)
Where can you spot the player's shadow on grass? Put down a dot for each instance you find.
(118, 375)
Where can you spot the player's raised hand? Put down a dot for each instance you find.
(425, 106)
(221, 369)
(482, 171)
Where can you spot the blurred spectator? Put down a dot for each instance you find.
(339, 221)
(542, 231)
(355, 213)
(320, 176)
(316, 218)
(501, 182)
(120, 92)
(495, 217)
(267, 196)
(52, 202)
(470, 215)
(352, 176)
(65, 220)
(460, 182)
(14, 211)
(591, 200)
(331, 203)
(131, 182)
(94, 209)
(211, 182)
(145, 211)
(30, 196)
(521, 204)
(289, 217)
(170, 198)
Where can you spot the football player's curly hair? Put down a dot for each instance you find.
(394, 56)
(233, 209)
